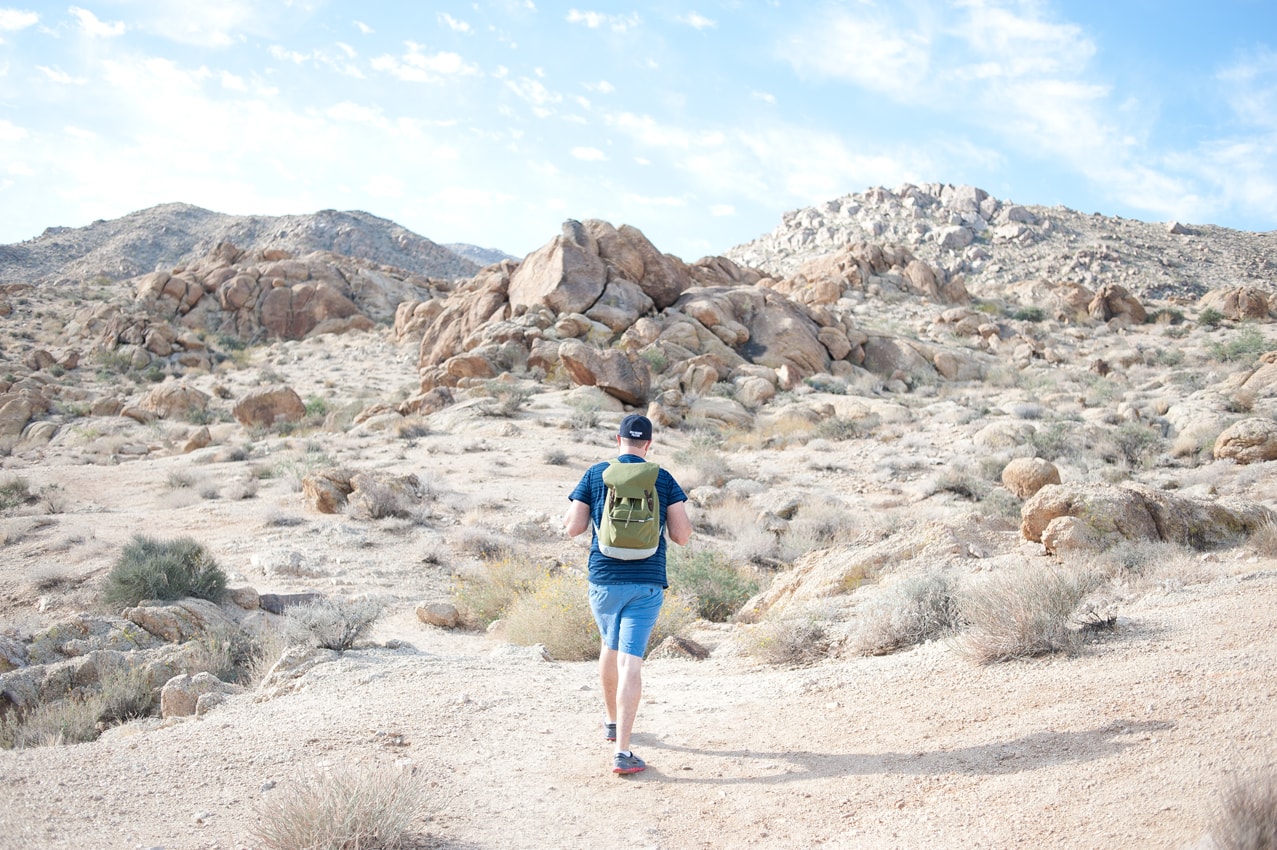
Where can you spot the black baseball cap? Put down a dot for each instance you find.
(635, 427)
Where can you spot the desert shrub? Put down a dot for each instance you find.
(656, 359)
(124, 694)
(961, 481)
(1028, 314)
(504, 398)
(72, 720)
(162, 569)
(791, 640)
(332, 623)
(1022, 613)
(1210, 317)
(1001, 503)
(719, 586)
(1247, 819)
(919, 609)
(556, 614)
(482, 543)
(584, 415)
(15, 491)
(264, 651)
(818, 525)
(705, 458)
(838, 428)
(1050, 442)
(358, 807)
(1263, 539)
(484, 595)
(1247, 344)
(678, 613)
(1136, 443)
(556, 457)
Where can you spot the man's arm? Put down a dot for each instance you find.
(577, 518)
(677, 524)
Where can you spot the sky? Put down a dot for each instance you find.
(700, 123)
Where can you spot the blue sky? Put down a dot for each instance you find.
(699, 123)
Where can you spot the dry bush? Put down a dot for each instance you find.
(332, 623)
(359, 807)
(555, 614)
(122, 693)
(818, 525)
(484, 594)
(263, 654)
(1022, 613)
(791, 639)
(482, 543)
(1247, 819)
(918, 609)
(747, 541)
(705, 461)
(1264, 539)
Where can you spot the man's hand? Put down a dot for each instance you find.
(577, 518)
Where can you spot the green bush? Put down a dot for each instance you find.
(1029, 314)
(1136, 442)
(163, 569)
(1210, 317)
(123, 693)
(15, 491)
(791, 640)
(718, 586)
(1248, 344)
(359, 807)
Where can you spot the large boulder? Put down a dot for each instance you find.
(611, 370)
(1025, 476)
(1137, 512)
(1113, 301)
(563, 275)
(1238, 303)
(174, 399)
(1252, 440)
(268, 407)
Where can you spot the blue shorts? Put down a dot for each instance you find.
(626, 614)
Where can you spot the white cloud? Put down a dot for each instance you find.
(60, 76)
(453, 24)
(589, 154)
(864, 47)
(648, 201)
(364, 28)
(12, 20)
(597, 20)
(234, 82)
(90, 24)
(80, 133)
(1251, 88)
(21, 169)
(696, 21)
(720, 210)
(535, 94)
(285, 55)
(601, 87)
(419, 67)
(765, 97)
(221, 24)
(10, 132)
(384, 186)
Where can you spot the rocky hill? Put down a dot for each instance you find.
(161, 237)
(992, 243)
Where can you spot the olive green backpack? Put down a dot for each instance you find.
(631, 526)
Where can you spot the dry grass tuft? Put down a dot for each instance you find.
(483, 595)
(366, 807)
(919, 609)
(1022, 613)
(792, 639)
(332, 623)
(555, 614)
(1248, 815)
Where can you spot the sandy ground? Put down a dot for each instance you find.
(1127, 745)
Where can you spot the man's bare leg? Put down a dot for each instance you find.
(608, 679)
(629, 690)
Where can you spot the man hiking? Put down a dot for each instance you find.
(632, 506)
